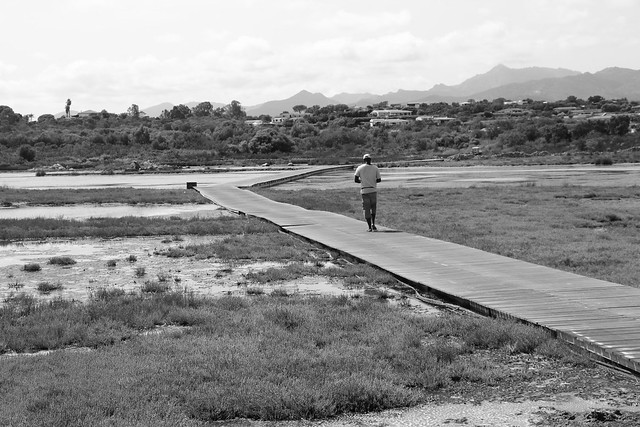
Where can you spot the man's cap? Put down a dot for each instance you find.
(366, 156)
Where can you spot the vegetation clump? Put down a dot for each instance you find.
(32, 267)
(275, 358)
(155, 287)
(47, 287)
(62, 260)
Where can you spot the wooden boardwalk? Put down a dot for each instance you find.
(598, 316)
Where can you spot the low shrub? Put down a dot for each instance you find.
(111, 263)
(47, 287)
(140, 272)
(603, 161)
(15, 285)
(163, 277)
(155, 287)
(62, 260)
(132, 258)
(31, 267)
(254, 290)
(107, 294)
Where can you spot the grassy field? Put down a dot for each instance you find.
(265, 357)
(592, 231)
(42, 228)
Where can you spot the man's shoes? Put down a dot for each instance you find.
(373, 227)
(370, 230)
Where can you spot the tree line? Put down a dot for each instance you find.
(205, 135)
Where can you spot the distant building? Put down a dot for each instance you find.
(512, 112)
(388, 114)
(388, 122)
(434, 119)
(282, 117)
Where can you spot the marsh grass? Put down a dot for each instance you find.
(41, 228)
(591, 231)
(67, 196)
(267, 245)
(48, 287)
(62, 260)
(254, 290)
(155, 287)
(31, 267)
(266, 358)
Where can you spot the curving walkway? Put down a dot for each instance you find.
(598, 316)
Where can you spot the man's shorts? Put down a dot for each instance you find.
(369, 204)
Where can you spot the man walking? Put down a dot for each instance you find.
(368, 176)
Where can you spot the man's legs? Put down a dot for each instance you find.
(366, 208)
(374, 205)
(369, 203)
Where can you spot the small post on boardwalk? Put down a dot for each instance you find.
(191, 185)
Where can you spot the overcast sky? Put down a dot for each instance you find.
(109, 54)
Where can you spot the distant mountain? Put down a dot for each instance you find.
(156, 110)
(498, 76)
(351, 98)
(611, 83)
(273, 108)
(537, 83)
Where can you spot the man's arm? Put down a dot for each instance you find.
(356, 179)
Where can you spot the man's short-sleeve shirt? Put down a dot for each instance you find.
(369, 175)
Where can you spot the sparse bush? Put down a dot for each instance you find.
(62, 260)
(154, 287)
(40, 172)
(280, 292)
(254, 290)
(132, 258)
(15, 285)
(31, 267)
(47, 287)
(107, 294)
(603, 161)
(111, 263)
(141, 271)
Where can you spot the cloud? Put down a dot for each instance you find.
(171, 38)
(371, 20)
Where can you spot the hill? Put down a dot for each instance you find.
(537, 83)
(611, 83)
(273, 108)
